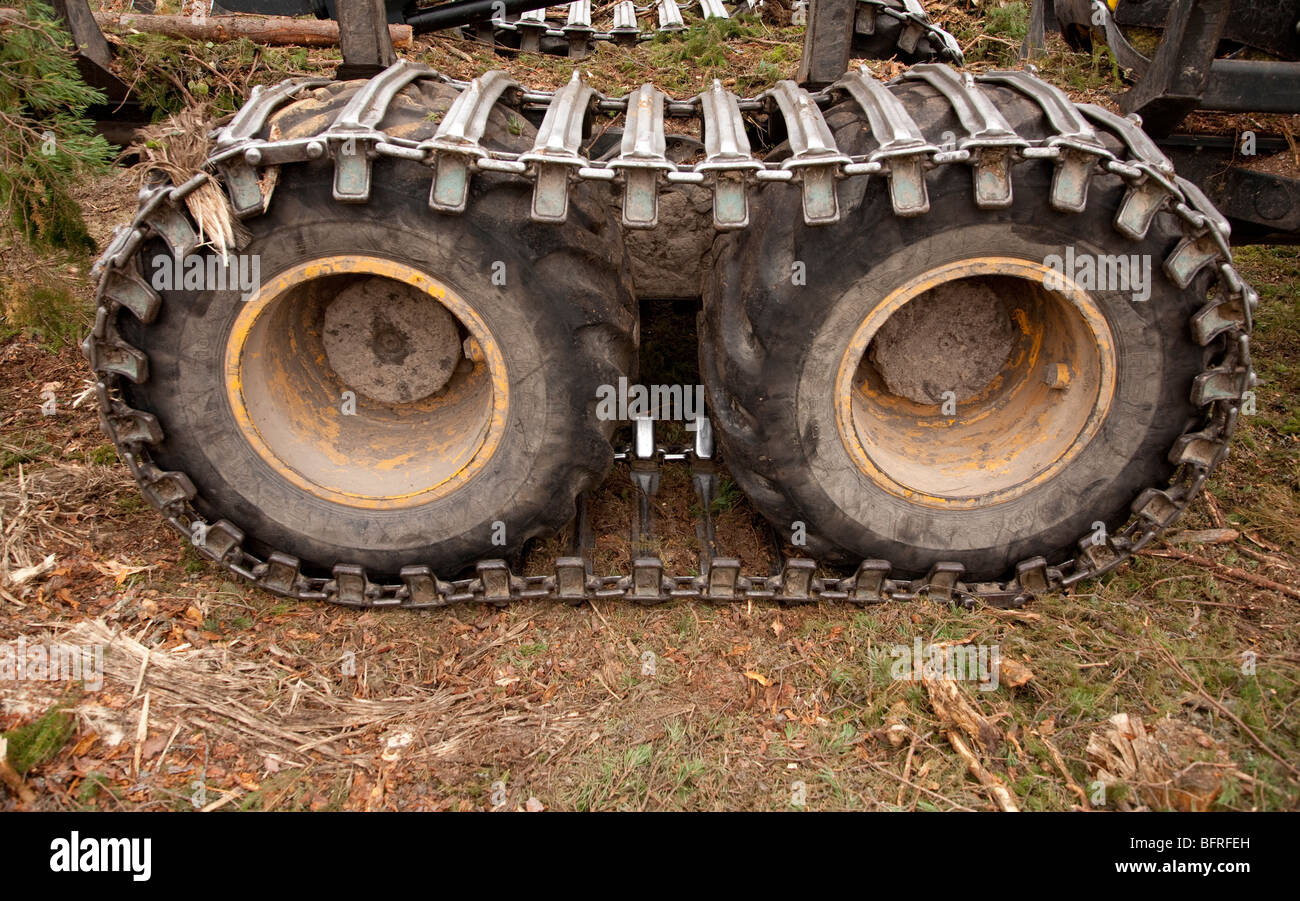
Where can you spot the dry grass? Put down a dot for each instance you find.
(178, 149)
(35, 507)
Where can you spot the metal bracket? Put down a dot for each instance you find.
(578, 29)
(532, 26)
(625, 29)
(726, 156)
(352, 135)
(421, 586)
(670, 16)
(555, 153)
(796, 581)
(942, 580)
(903, 149)
(351, 584)
(494, 576)
(992, 142)
(814, 154)
(456, 143)
(1080, 148)
(643, 157)
(135, 427)
(279, 575)
(241, 178)
(913, 26)
(647, 580)
(870, 582)
(127, 289)
(571, 580)
(1153, 188)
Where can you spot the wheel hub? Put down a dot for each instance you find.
(346, 376)
(390, 343)
(972, 383)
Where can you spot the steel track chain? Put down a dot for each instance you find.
(578, 29)
(1223, 325)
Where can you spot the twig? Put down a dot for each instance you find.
(910, 784)
(222, 801)
(601, 615)
(606, 687)
(907, 767)
(141, 731)
(1065, 771)
(1216, 514)
(1230, 571)
(1200, 690)
(144, 664)
(157, 767)
(1264, 558)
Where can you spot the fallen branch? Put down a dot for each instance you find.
(954, 709)
(1001, 794)
(262, 29)
(1230, 571)
(956, 715)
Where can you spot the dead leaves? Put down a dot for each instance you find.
(120, 571)
(1171, 765)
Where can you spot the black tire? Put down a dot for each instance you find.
(769, 350)
(565, 321)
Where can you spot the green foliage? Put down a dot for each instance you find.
(995, 35)
(1010, 21)
(47, 143)
(170, 74)
(39, 740)
(702, 47)
(728, 495)
(44, 309)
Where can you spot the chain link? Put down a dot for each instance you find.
(906, 12)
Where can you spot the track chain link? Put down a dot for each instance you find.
(578, 30)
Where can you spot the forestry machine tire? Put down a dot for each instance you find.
(919, 389)
(405, 387)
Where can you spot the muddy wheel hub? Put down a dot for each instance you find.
(389, 343)
(973, 382)
(963, 331)
(346, 375)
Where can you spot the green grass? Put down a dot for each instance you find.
(21, 448)
(90, 788)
